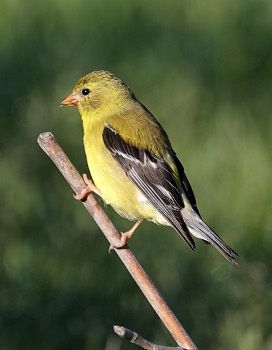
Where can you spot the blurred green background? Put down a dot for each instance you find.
(203, 68)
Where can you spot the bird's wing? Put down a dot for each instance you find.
(186, 185)
(152, 176)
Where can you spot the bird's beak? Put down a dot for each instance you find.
(70, 100)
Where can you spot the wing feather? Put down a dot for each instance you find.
(186, 185)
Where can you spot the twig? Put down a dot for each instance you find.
(135, 338)
(50, 146)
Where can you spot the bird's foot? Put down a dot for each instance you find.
(89, 189)
(125, 236)
(123, 240)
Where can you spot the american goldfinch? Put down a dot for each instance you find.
(132, 163)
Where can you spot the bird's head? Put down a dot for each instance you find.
(96, 90)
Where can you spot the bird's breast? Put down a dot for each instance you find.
(114, 185)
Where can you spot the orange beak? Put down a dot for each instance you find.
(70, 100)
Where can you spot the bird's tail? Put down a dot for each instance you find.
(199, 229)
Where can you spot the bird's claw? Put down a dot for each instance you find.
(82, 195)
(125, 236)
(91, 188)
(121, 244)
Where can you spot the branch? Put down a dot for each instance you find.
(135, 338)
(50, 146)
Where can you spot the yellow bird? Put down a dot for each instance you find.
(132, 163)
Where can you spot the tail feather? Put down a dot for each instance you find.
(198, 228)
(182, 229)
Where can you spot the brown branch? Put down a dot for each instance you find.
(50, 146)
(135, 338)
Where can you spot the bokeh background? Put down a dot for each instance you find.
(204, 70)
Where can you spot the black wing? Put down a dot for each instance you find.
(186, 185)
(152, 176)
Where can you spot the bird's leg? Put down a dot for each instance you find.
(91, 188)
(125, 236)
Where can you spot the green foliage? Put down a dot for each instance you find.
(204, 69)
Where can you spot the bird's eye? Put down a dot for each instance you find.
(86, 91)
